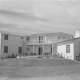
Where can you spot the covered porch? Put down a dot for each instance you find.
(40, 49)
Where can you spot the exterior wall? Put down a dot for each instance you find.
(52, 37)
(45, 39)
(0, 45)
(54, 51)
(67, 37)
(55, 37)
(13, 43)
(76, 48)
(34, 38)
(62, 51)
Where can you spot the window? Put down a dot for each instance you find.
(27, 38)
(27, 49)
(67, 48)
(6, 37)
(59, 37)
(40, 39)
(19, 49)
(5, 49)
(63, 37)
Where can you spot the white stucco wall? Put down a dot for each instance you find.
(61, 49)
(0, 45)
(45, 39)
(77, 34)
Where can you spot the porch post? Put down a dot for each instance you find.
(43, 46)
(33, 47)
(52, 48)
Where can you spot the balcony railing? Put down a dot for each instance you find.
(35, 42)
(41, 41)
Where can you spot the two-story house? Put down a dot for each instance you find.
(40, 44)
(35, 44)
(11, 45)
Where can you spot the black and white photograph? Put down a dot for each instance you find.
(39, 39)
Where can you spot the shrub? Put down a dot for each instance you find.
(35, 54)
(26, 54)
(13, 56)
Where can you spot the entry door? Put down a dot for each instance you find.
(20, 50)
(40, 50)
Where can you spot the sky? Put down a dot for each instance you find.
(39, 16)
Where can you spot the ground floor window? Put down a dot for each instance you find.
(67, 48)
(5, 49)
(20, 50)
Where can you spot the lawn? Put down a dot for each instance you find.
(32, 68)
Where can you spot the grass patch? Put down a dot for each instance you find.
(38, 67)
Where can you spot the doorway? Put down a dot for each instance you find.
(40, 50)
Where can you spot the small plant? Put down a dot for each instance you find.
(13, 56)
(40, 56)
(35, 54)
(9, 57)
(26, 54)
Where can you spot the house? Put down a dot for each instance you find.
(11, 45)
(35, 44)
(69, 49)
(44, 43)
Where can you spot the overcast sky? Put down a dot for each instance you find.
(38, 16)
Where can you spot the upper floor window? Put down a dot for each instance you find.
(27, 38)
(40, 39)
(59, 37)
(5, 37)
(67, 48)
(63, 37)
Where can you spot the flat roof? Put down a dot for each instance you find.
(54, 33)
(14, 34)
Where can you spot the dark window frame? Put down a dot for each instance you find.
(63, 37)
(6, 37)
(19, 50)
(68, 48)
(5, 49)
(59, 37)
(27, 38)
(40, 39)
